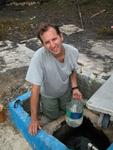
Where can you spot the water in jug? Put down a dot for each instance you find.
(74, 113)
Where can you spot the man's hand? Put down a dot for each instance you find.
(34, 127)
(34, 101)
(76, 94)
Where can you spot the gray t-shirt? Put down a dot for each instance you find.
(53, 76)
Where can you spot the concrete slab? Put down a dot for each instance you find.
(102, 100)
(14, 56)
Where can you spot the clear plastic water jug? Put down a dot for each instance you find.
(74, 113)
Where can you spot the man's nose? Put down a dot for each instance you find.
(52, 44)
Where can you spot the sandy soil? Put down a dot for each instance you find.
(11, 139)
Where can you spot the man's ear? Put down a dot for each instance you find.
(62, 38)
(41, 42)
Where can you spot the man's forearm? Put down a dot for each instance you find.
(74, 80)
(35, 102)
(76, 94)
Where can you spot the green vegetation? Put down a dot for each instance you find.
(9, 27)
(19, 21)
(104, 31)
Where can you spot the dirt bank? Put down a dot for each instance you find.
(18, 21)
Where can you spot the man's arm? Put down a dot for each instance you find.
(34, 103)
(76, 94)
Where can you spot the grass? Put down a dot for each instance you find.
(106, 31)
(13, 26)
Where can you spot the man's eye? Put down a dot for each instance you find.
(54, 39)
(46, 42)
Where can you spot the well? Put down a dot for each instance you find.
(84, 137)
(88, 132)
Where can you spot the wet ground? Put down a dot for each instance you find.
(18, 21)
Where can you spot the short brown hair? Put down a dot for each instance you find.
(43, 27)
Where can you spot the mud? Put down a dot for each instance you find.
(19, 20)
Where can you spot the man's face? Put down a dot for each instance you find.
(52, 41)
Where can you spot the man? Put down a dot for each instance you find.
(52, 72)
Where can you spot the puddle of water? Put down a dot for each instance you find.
(78, 138)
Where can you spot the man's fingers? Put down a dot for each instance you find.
(77, 95)
(40, 128)
(33, 129)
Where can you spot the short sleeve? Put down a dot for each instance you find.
(35, 71)
(75, 56)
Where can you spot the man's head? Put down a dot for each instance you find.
(51, 37)
(43, 27)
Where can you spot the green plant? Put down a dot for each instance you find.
(104, 31)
